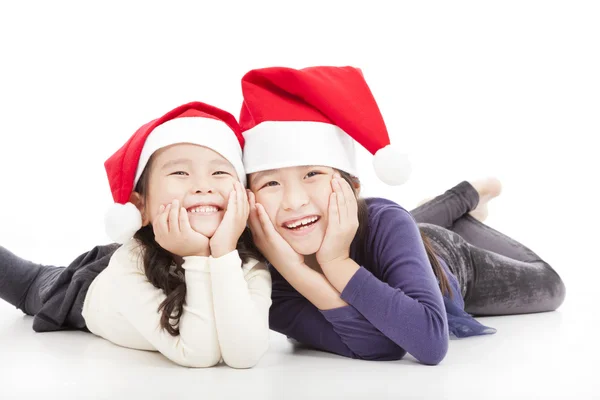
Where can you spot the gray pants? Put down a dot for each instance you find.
(497, 275)
(53, 295)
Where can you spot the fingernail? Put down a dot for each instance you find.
(161, 208)
(169, 205)
(336, 175)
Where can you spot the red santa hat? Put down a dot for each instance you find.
(196, 123)
(313, 116)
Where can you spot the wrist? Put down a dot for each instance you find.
(219, 251)
(289, 266)
(201, 253)
(334, 263)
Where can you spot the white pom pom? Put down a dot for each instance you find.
(122, 221)
(391, 165)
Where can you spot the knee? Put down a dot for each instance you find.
(556, 288)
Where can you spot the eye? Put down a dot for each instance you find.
(270, 183)
(181, 173)
(313, 173)
(221, 173)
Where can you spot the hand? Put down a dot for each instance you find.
(270, 243)
(233, 224)
(173, 232)
(342, 224)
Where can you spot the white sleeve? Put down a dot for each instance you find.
(242, 298)
(197, 344)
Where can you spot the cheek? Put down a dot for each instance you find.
(161, 195)
(224, 187)
(321, 197)
(270, 202)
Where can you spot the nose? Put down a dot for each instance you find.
(202, 186)
(294, 197)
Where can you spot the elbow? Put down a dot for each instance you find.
(436, 351)
(198, 359)
(437, 343)
(247, 357)
(246, 351)
(243, 362)
(206, 361)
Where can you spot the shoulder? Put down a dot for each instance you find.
(388, 224)
(383, 212)
(129, 256)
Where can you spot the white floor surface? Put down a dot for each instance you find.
(551, 355)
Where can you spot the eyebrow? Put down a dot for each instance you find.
(262, 174)
(188, 162)
(220, 161)
(178, 161)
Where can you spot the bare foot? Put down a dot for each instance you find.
(488, 189)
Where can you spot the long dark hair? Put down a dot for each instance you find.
(164, 270)
(363, 232)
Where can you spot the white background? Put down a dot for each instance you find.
(470, 89)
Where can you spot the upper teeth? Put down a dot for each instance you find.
(204, 209)
(304, 221)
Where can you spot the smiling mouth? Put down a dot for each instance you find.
(203, 210)
(302, 224)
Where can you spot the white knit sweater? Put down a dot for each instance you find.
(225, 316)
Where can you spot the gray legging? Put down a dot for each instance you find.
(497, 275)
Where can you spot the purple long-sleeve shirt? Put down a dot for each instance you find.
(395, 305)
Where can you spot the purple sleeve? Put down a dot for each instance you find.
(294, 316)
(343, 331)
(365, 341)
(406, 305)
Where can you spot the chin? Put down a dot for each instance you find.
(306, 249)
(205, 229)
(304, 244)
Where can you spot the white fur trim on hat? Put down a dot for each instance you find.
(122, 221)
(391, 165)
(211, 133)
(280, 144)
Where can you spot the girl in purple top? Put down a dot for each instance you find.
(366, 278)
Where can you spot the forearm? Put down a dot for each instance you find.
(197, 343)
(415, 321)
(313, 285)
(241, 304)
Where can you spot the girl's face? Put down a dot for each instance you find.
(198, 177)
(296, 200)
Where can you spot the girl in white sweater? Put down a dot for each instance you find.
(186, 280)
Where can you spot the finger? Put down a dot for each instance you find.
(160, 224)
(241, 196)
(245, 204)
(334, 215)
(184, 221)
(174, 217)
(253, 219)
(239, 206)
(351, 202)
(341, 200)
(265, 222)
(231, 204)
